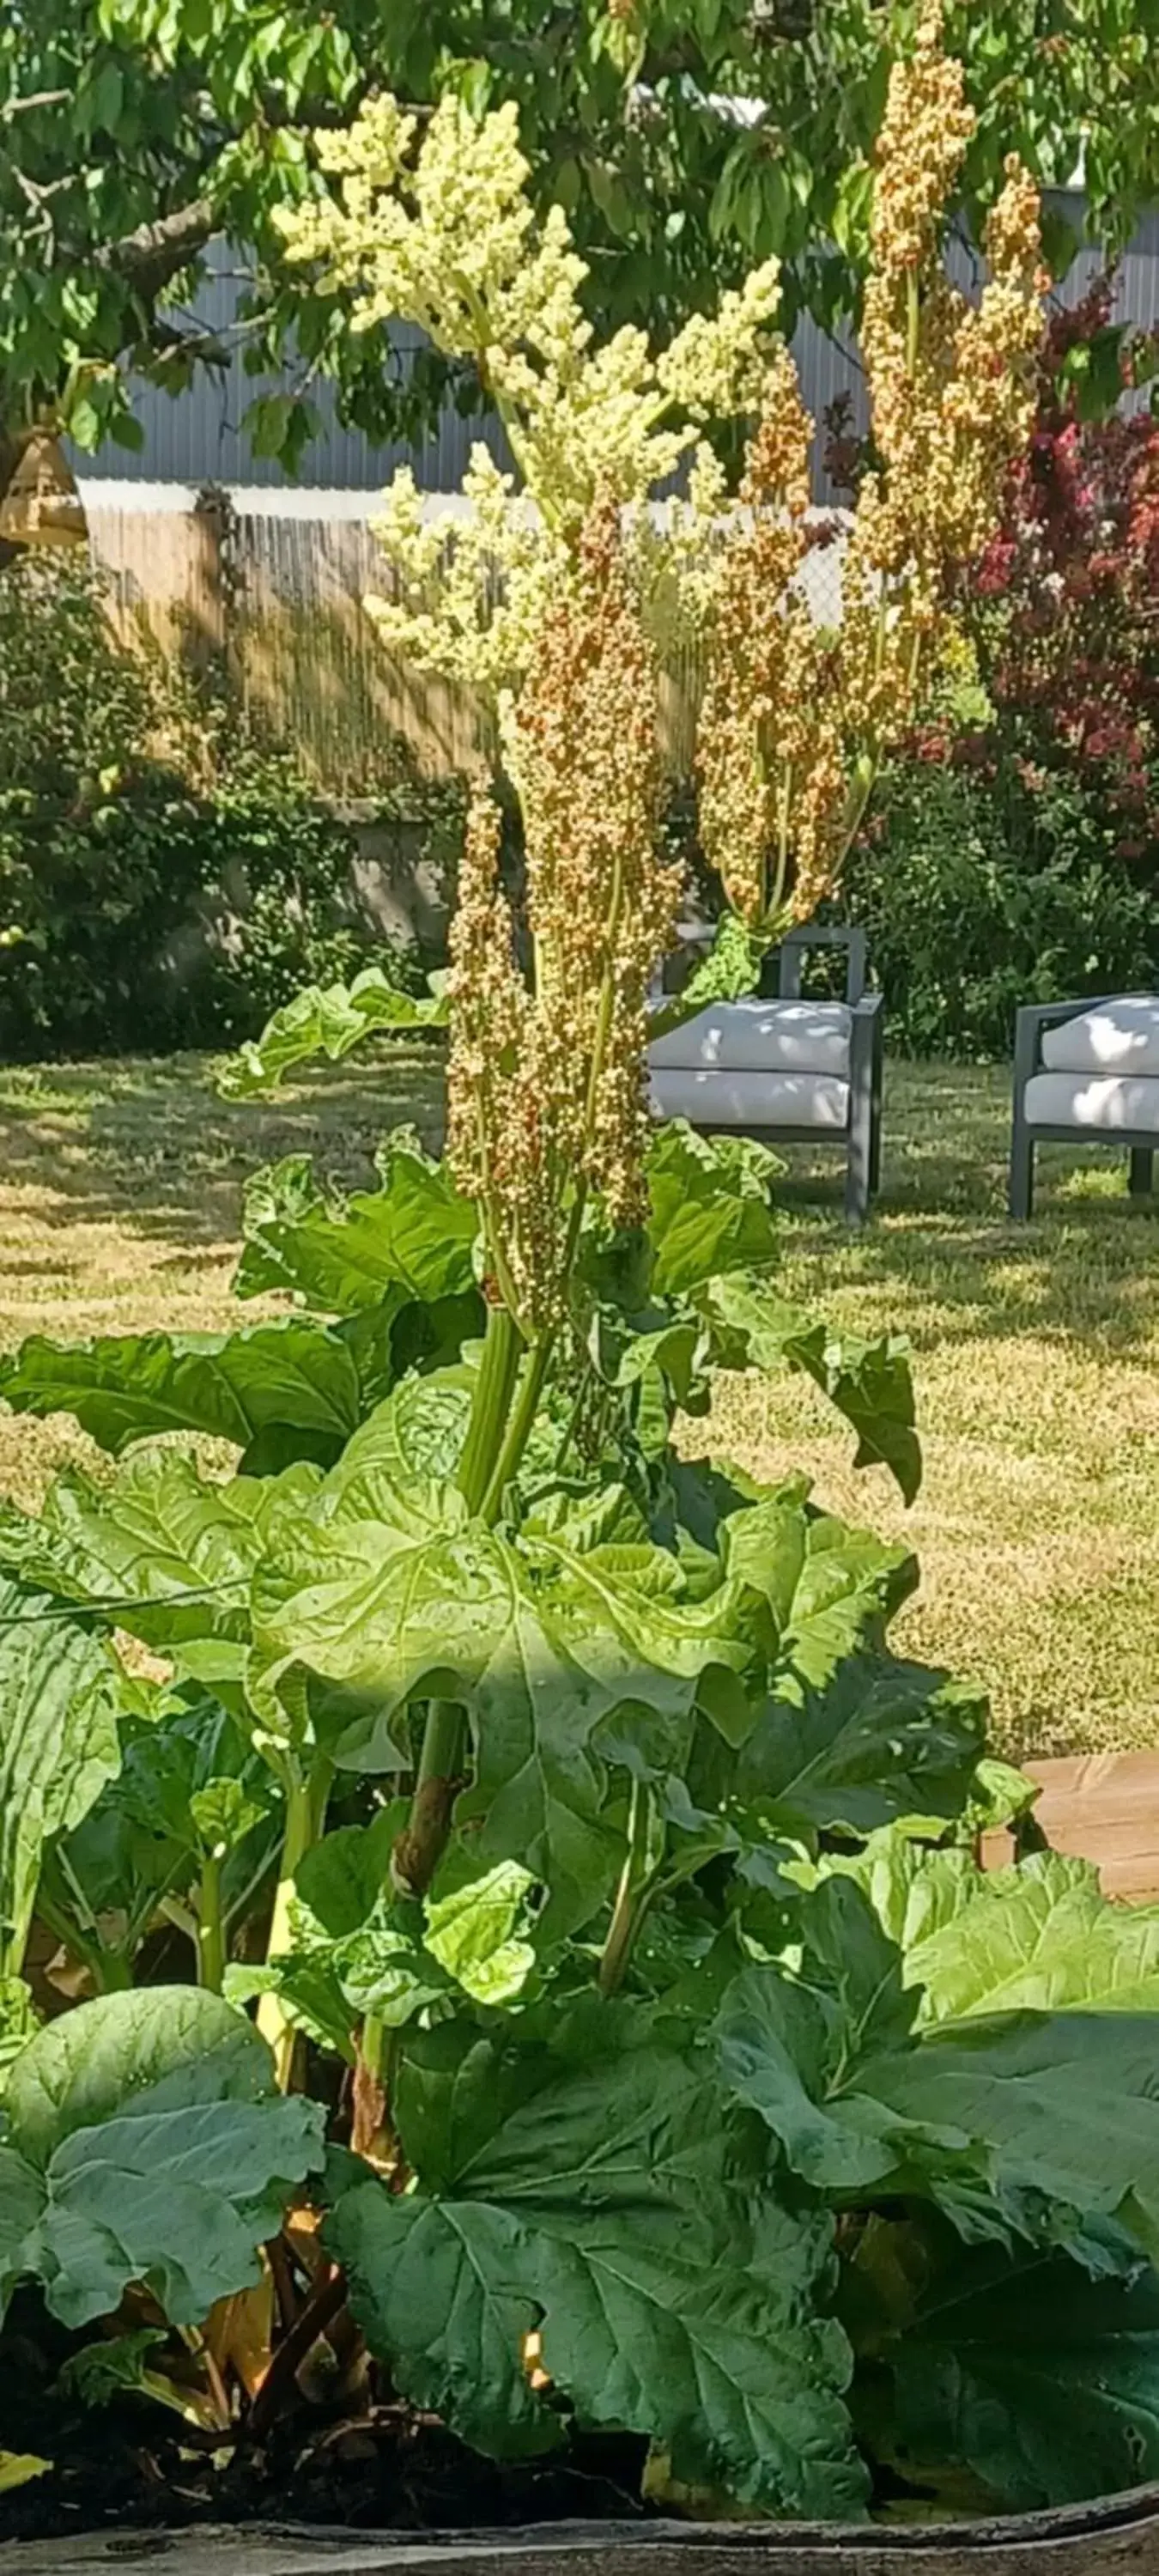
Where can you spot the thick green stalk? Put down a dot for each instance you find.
(210, 1926)
(860, 790)
(490, 1406)
(372, 2131)
(421, 1844)
(774, 895)
(497, 1437)
(633, 1896)
(109, 1968)
(305, 1819)
(423, 1840)
(520, 1426)
(112, 1970)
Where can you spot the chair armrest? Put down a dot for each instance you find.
(834, 934)
(1034, 1017)
(865, 1026)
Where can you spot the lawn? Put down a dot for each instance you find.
(1034, 1348)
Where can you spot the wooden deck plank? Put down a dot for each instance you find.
(1101, 1807)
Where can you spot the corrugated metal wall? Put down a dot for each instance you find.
(196, 437)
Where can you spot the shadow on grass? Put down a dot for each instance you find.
(150, 1147)
(942, 1258)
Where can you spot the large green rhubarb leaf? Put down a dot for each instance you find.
(874, 1740)
(291, 1377)
(1039, 1937)
(411, 1240)
(730, 972)
(1044, 2382)
(190, 1782)
(59, 1697)
(1064, 2107)
(538, 1641)
(418, 1430)
(709, 1207)
(1024, 2121)
(144, 2140)
(164, 1551)
(327, 1020)
(356, 1949)
(598, 2206)
(868, 1382)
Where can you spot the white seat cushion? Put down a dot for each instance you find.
(1093, 1103)
(709, 1097)
(774, 1037)
(1116, 1037)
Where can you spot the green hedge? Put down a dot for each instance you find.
(133, 809)
(134, 813)
(980, 893)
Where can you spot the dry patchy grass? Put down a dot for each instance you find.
(1034, 1348)
(1034, 1355)
(120, 1199)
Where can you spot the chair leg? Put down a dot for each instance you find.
(875, 1119)
(1142, 1180)
(856, 1187)
(1021, 1193)
(859, 1158)
(864, 1116)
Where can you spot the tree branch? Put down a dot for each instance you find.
(39, 98)
(150, 256)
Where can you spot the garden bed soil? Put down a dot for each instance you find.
(380, 2495)
(383, 2471)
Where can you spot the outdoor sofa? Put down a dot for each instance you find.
(1086, 1072)
(786, 1069)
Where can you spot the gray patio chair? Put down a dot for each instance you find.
(1086, 1072)
(786, 1069)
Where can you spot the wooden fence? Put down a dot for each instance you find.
(277, 599)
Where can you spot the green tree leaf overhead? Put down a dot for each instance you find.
(134, 135)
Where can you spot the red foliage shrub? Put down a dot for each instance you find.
(1063, 607)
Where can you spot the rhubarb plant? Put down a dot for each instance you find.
(522, 1905)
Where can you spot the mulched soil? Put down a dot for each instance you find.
(367, 2466)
